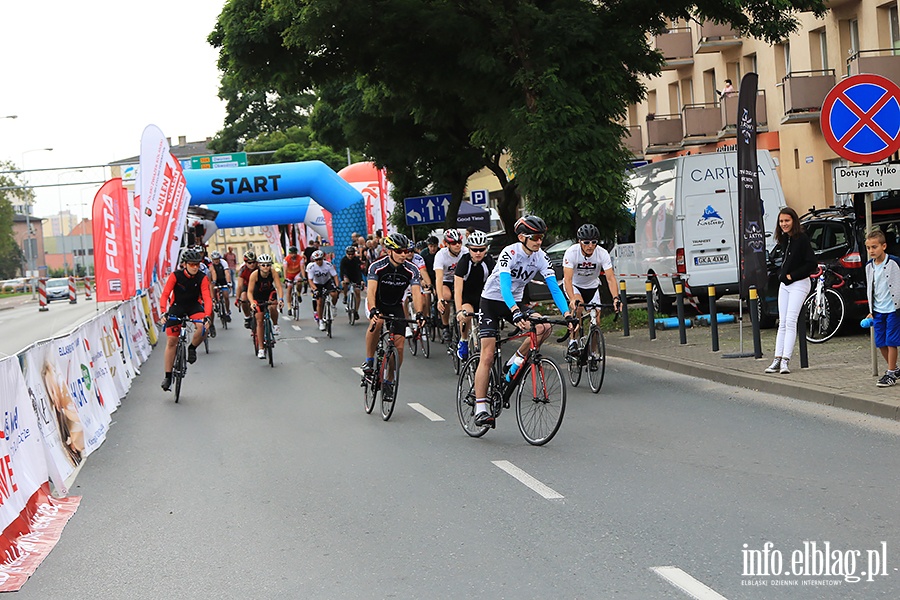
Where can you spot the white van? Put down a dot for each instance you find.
(686, 221)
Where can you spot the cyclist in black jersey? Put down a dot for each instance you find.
(264, 283)
(351, 274)
(387, 282)
(472, 271)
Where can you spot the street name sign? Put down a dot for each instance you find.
(424, 210)
(219, 161)
(861, 118)
(867, 179)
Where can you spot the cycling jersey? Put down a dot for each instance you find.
(219, 269)
(521, 267)
(586, 268)
(351, 268)
(265, 287)
(190, 294)
(293, 265)
(320, 274)
(392, 280)
(245, 275)
(446, 261)
(473, 276)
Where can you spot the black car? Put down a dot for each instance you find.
(837, 235)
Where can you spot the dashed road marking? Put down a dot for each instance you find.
(333, 353)
(687, 584)
(297, 327)
(358, 371)
(312, 340)
(428, 414)
(529, 481)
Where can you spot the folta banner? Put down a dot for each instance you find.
(30, 518)
(271, 233)
(113, 245)
(750, 217)
(164, 200)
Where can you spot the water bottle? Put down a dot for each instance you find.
(516, 362)
(867, 322)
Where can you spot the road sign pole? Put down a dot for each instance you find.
(869, 198)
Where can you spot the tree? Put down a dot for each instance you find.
(549, 82)
(11, 257)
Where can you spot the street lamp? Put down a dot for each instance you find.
(62, 235)
(11, 117)
(30, 257)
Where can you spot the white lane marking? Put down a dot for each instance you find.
(528, 480)
(312, 340)
(333, 353)
(297, 327)
(428, 414)
(687, 584)
(358, 371)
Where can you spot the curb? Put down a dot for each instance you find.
(7, 307)
(770, 385)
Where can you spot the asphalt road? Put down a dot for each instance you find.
(273, 483)
(21, 323)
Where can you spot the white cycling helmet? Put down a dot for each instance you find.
(476, 238)
(215, 255)
(264, 259)
(318, 255)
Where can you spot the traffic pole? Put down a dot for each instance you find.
(679, 301)
(73, 298)
(42, 295)
(87, 288)
(713, 318)
(623, 306)
(650, 315)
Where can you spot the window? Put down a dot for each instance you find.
(750, 64)
(854, 36)
(895, 30)
(782, 60)
(674, 99)
(820, 55)
(826, 236)
(687, 90)
(710, 90)
(233, 231)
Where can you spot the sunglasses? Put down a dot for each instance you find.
(536, 237)
(454, 243)
(594, 242)
(477, 249)
(404, 251)
(192, 264)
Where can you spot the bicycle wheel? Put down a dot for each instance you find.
(255, 340)
(573, 365)
(453, 345)
(413, 342)
(178, 368)
(465, 397)
(424, 333)
(540, 401)
(269, 343)
(390, 368)
(206, 341)
(825, 321)
(329, 315)
(370, 390)
(596, 359)
(351, 306)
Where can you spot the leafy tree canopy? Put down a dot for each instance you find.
(10, 253)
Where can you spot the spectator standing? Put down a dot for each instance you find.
(231, 259)
(883, 292)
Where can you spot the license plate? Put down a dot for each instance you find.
(712, 259)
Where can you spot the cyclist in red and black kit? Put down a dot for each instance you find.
(189, 293)
(387, 282)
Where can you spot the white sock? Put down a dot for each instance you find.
(481, 405)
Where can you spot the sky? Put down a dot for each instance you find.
(86, 78)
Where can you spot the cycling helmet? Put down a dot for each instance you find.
(318, 255)
(216, 255)
(530, 225)
(452, 236)
(264, 259)
(191, 255)
(476, 238)
(292, 250)
(351, 250)
(432, 240)
(421, 245)
(588, 232)
(250, 256)
(411, 245)
(396, 241)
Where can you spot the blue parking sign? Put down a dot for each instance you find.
(479, 197)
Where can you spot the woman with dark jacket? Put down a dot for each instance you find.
(799, 263)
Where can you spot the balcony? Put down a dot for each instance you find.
(884, 62)
(804, 92)
(664, 134)
(716, 37)
(677, 48)
(633, 140)
(730, 114)
(702, 123)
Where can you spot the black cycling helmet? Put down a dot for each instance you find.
(432, 240)
(250, 256)
(588, 232)
(292, 250)
(530, 225)
(396, 241)
(421, 245)
(350, 250)
(191, 255)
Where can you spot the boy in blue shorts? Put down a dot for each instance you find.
(883, 292)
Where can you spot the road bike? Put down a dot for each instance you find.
(453, 336)
(352, 305)
(538, 385)
(433, 318)
(473, 343)
(268, 342)
(221, 306)
(825, 308)
(327, 316)
(591, 349)
(385, 368)
(180, 366)
(296, 295)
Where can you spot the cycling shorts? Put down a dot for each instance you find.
(397, 327)
(173, 328)
(328, 286)
(588, 295)
(492, 311)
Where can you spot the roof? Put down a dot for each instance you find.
(17, 218)
(180, 151)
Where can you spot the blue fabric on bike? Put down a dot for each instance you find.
(557, 294)
(887, 329)
(506, 289)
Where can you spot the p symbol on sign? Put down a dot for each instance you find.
(478, 197)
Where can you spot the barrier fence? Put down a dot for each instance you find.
(57, 397)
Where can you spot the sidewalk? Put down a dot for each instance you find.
(839, 373)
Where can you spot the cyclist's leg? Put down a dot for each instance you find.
(260, 327)
(335, 294)
(447, 296)
(199, 330)
(172, 334)
(273, 312)
(466, 325)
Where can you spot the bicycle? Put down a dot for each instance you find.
(327, 315)
(473, 341)
(453, 336)
(180, 366)
(353, 302)
(295, 294)
(387, 363)
(591, 349)
(538, 416)
(825, 308)
(268, 334)
(221, 307)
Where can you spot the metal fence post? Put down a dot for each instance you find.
(754, 320)
(651, 316)
(679, 304)
(713, 318)
(623, 299)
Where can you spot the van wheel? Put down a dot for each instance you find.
(661, 302)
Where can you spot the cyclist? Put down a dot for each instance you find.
(322, 279)
(205, 270)
(293, 273)
(444, 265)
(471, 273)
(222, 279)
(189, 292)
(582, 264)
(517, 265)
(432, 244)
(351, 275)
(247, 269)
(424, 281)
(387, 282)
(264, 283)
